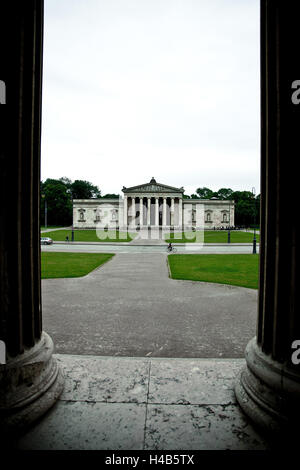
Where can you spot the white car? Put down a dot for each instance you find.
(46, 241)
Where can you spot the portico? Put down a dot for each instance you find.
(152, 210)
(152, 204)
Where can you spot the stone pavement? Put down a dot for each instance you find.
(55, 229)
(130, 307)
(150, 247)
(142, 403)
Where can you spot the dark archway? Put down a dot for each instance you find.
(269, 388)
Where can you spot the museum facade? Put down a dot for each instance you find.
(153, 204)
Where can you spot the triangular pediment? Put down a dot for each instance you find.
(152, 187)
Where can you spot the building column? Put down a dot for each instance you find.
(132, 212)
(176, 215)
(180, 212)
(30, 379)
(156, 211)
(268, 388)
(148, 211)
(172, 215)
(164, 213)
(125, 206)
(141, 211)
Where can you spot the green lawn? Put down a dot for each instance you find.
(55, 265)
(50, 226)
(238, 270)
(212, 236)
(91, 236)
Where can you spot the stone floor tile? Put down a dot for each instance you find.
(192, 427)
(88, 426)
(104, 379)
(186, 381)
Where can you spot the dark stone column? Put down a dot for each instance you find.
(30, 380)
(269, 388)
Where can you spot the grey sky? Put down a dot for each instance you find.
(140, 88)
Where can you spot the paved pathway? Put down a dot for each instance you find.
(55, 229)
(94, 247)
(130, 307)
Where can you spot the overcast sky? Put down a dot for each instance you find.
(140, 88)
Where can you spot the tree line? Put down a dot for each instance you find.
(57, 196)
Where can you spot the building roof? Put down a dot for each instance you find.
(152, 187)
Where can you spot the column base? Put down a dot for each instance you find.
(29, 385)
(269, 393)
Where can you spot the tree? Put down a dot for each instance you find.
(224, 193)
(58, 195)
(246, 208)
(204, 193)
(55, 194)
(68, 183)
(256, 210)
(84, 190)
(111, 196)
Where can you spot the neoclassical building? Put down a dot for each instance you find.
(152, 204)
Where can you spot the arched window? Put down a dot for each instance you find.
(81, 215)
(208, 217)
(97, 215)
